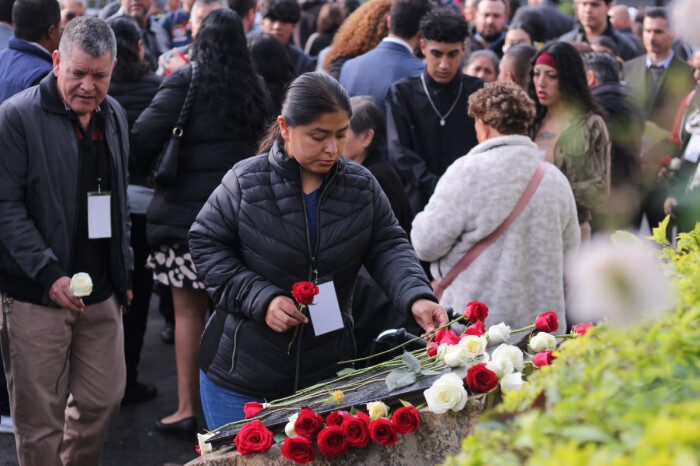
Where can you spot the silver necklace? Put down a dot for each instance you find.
(454, 104)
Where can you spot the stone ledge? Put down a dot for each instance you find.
(438, 436)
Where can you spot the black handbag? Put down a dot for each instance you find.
(165, 171)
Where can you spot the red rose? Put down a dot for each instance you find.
(331, 441)
(383, 431)
(336, 418)
(253, 436)
(543, 358)
(252, 408)
(406, 419)
(475, 329)
(446, 335)
(198, 450)
(582, 328)
(665, 161)
(547, 322)
(304, 292)
(308, 424)
(298, 449)
(480, 379)
(432, 348)
(476, 311)
(356, 430)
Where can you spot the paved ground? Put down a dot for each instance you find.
(132, 438)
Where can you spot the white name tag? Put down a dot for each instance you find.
(692, 150)
(99, 215)
(325, 311)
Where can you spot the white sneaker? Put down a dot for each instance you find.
(6, 425)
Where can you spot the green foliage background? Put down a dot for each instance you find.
(614, 396)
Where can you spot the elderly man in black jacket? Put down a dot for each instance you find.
(63, 199)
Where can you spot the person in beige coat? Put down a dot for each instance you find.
(522, 273)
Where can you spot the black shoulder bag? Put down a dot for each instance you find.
(165, 171)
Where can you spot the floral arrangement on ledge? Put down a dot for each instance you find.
(460, 361)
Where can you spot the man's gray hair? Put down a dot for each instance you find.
(490, 54)
(604, 66)
(207, 3)
(91, 35)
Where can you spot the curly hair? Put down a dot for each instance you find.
(361, 32)
(572, 82)
(444, 25)
(227, 79)
(503, 106)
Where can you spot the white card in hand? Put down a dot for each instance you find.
(325, 311)
(692, 150)
(99, 216)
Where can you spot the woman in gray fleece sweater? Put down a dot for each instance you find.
(522, 273)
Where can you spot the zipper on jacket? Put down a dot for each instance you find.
(235, 345)
(313, 269)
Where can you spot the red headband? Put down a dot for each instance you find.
(548, 59)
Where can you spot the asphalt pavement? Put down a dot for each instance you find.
(133, 439)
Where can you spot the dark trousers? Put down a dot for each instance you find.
(142, 284)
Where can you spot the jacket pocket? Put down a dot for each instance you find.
(236, 331)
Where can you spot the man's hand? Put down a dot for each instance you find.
(429, 315)
(669, 204)
(61, 294)
(129, 298)
(282, 314)
(173, 63)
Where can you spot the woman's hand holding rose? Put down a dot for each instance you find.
(282, 314)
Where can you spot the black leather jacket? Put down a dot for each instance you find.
(250, 244)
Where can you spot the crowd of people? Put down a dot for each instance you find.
(406, 156)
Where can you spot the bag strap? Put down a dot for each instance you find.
(178, 130)
(482, 245)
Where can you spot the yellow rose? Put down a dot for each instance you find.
(339, 396)
(377, 410)
(81, 285)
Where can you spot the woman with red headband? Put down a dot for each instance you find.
(568, 128)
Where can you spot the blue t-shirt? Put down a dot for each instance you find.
(311, 203)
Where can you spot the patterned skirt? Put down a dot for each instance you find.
(172, 266)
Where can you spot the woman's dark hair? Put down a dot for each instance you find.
(272, 62)
(307, 98)
(330, 18)
(368, 114)
(129, 66)
(572, 81)
(227, 79)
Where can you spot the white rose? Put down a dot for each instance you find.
(511, 355)
(81, 285)
(475, 345)
(456, 355)
(512, 382)
(500, 367)
(204, 446)
(442, 349)
(499, 333)
(377, 410)
(446, 393)
(543, 341)
(289, 428)
(675, 163)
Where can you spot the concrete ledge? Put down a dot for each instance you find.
(438, 436)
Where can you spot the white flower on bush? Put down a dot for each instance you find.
(511, 357)
(377, 410)
(446, 393)
(475, 345)
(512, 382)
(499, 333)
(204, 446)
(289, 428)
(81, 284)
(543, 341)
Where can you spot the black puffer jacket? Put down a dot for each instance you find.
(250, 244)
(208, 149)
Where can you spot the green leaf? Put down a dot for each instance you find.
(399, 378)
(659, 233)
(330, 399)
(279, 437)
(586, 433)
(353, 411)
(405, 403)
(411, 362)
(429, 372)
(346, 371)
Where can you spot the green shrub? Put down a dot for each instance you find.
(614, 396)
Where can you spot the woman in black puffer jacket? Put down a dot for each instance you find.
(228, 115)
(298, 212)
